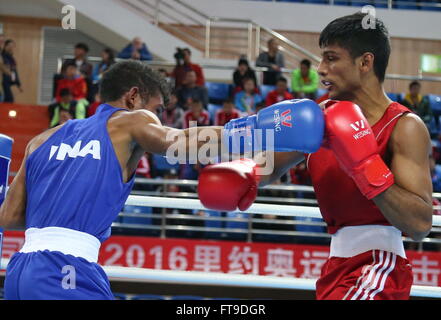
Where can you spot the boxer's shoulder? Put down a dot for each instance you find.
(130, 119)
(410, 132)
(38, 140)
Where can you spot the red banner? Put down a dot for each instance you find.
(283, 260)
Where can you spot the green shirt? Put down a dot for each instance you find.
(298, 83)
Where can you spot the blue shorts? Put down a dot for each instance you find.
(52, 275)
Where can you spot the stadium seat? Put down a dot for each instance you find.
(342, 3)
(401, 4)
(380, 4)
(265, 89)
(160, 163)
(137, 220)
(435, 103)
(316, 1)
(217, 92)
(392, 96)
(425, 5)
(212, 109)
(360, 3)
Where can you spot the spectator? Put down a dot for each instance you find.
(196, 113)
(227, 113)
(107, 59)
(167, 77)
(80, 59)
(183, 65)
(91, 110)
(305, 81)
(417, 103)
(435, 174)
(77, 109)
(10, 78)
(191, 91)
(72, 81)
(242, 72)
(247, 99)
(65, 116)
(172, 116)
(280, 93)
(3, 68)
(273, 60)
(136, 50)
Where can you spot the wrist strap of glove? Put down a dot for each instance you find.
(373, 176)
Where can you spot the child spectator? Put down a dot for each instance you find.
(172, 116)
(247, 99)
(227, 113)
(242, 72)
(77, 109)
(91, 110)
(196, 113)
(280, 93)
(65, 116)
(72, 81)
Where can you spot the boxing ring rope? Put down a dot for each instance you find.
(256, 208)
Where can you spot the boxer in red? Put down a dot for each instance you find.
(371, 175)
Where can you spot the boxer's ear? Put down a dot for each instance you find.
(131, 96)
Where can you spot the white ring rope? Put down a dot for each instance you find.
(260, 208)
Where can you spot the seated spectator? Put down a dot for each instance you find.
(280, 93)
(227, 113)
(242, 72)
(247, 99)
(72, 81)
(183, 65)
(65, 116)
(10, 77)
(274, 60)
(417, 103)
(4, 69)
(172, 116)
(91, 110)
(305, 81)
(77, 109)
(197, 114)
(167, 77)
(80, 59)
(136, 50)
(191, 91)
(107, 59)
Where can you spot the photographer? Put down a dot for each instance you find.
(183, 65)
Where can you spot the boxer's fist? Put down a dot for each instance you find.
(298, 125)
(352, 140)
(229, 185)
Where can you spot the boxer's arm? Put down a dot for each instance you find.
(280, 164)
(153, 137)
(12, 210)
(407, 204)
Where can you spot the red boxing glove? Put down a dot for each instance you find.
(229, 185)
(353, 142)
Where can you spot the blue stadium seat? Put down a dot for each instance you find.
(430, 8)
(137, 220)
(160, 163)
(316, 1)
(218, 91)
(380, 3)
(392, 96)
(148, 297)
(265, 89)
(342, 3)
(361, 3)
(435, 103)
(401, 4)
(212, 109)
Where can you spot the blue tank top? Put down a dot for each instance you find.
(74, 179)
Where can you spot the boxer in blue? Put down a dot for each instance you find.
(76, 177)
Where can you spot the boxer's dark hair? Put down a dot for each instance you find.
(124, 75)
(350, 33)
(414, 83)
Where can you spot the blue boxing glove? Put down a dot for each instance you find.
(291, 125)
(5, 159)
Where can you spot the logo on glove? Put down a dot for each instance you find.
(357, 126)
(282, 119)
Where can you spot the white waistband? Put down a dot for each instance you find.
(350, 241)
(67, 241)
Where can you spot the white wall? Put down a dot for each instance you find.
(313, 18)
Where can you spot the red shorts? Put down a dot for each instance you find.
(371, 275)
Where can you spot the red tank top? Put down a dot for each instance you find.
(340, 201)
